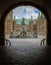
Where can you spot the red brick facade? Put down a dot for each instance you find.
(11, 26)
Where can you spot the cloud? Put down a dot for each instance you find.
(26, 12)
(16, 17)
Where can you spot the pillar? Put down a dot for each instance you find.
(1, 32)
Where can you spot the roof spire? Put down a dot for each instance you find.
(23, 23)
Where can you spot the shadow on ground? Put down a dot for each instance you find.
(27, 52)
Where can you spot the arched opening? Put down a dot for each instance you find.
(22, 3)
(24, 55)
(25, 22)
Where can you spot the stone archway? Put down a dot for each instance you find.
(20, 4)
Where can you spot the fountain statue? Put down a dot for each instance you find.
(23, 33)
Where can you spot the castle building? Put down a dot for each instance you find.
(35, 26)
(8, 23)
(41, 25)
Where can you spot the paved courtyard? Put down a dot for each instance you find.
(25, 52)
(25, 42)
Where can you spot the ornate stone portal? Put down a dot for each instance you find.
(23, 33)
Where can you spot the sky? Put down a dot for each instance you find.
(25, 12)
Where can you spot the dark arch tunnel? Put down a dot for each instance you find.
(20, 3)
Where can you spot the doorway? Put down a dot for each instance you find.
(25, 22)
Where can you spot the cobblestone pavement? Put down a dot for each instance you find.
(25, 52)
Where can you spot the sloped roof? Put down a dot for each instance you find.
(18, 21)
